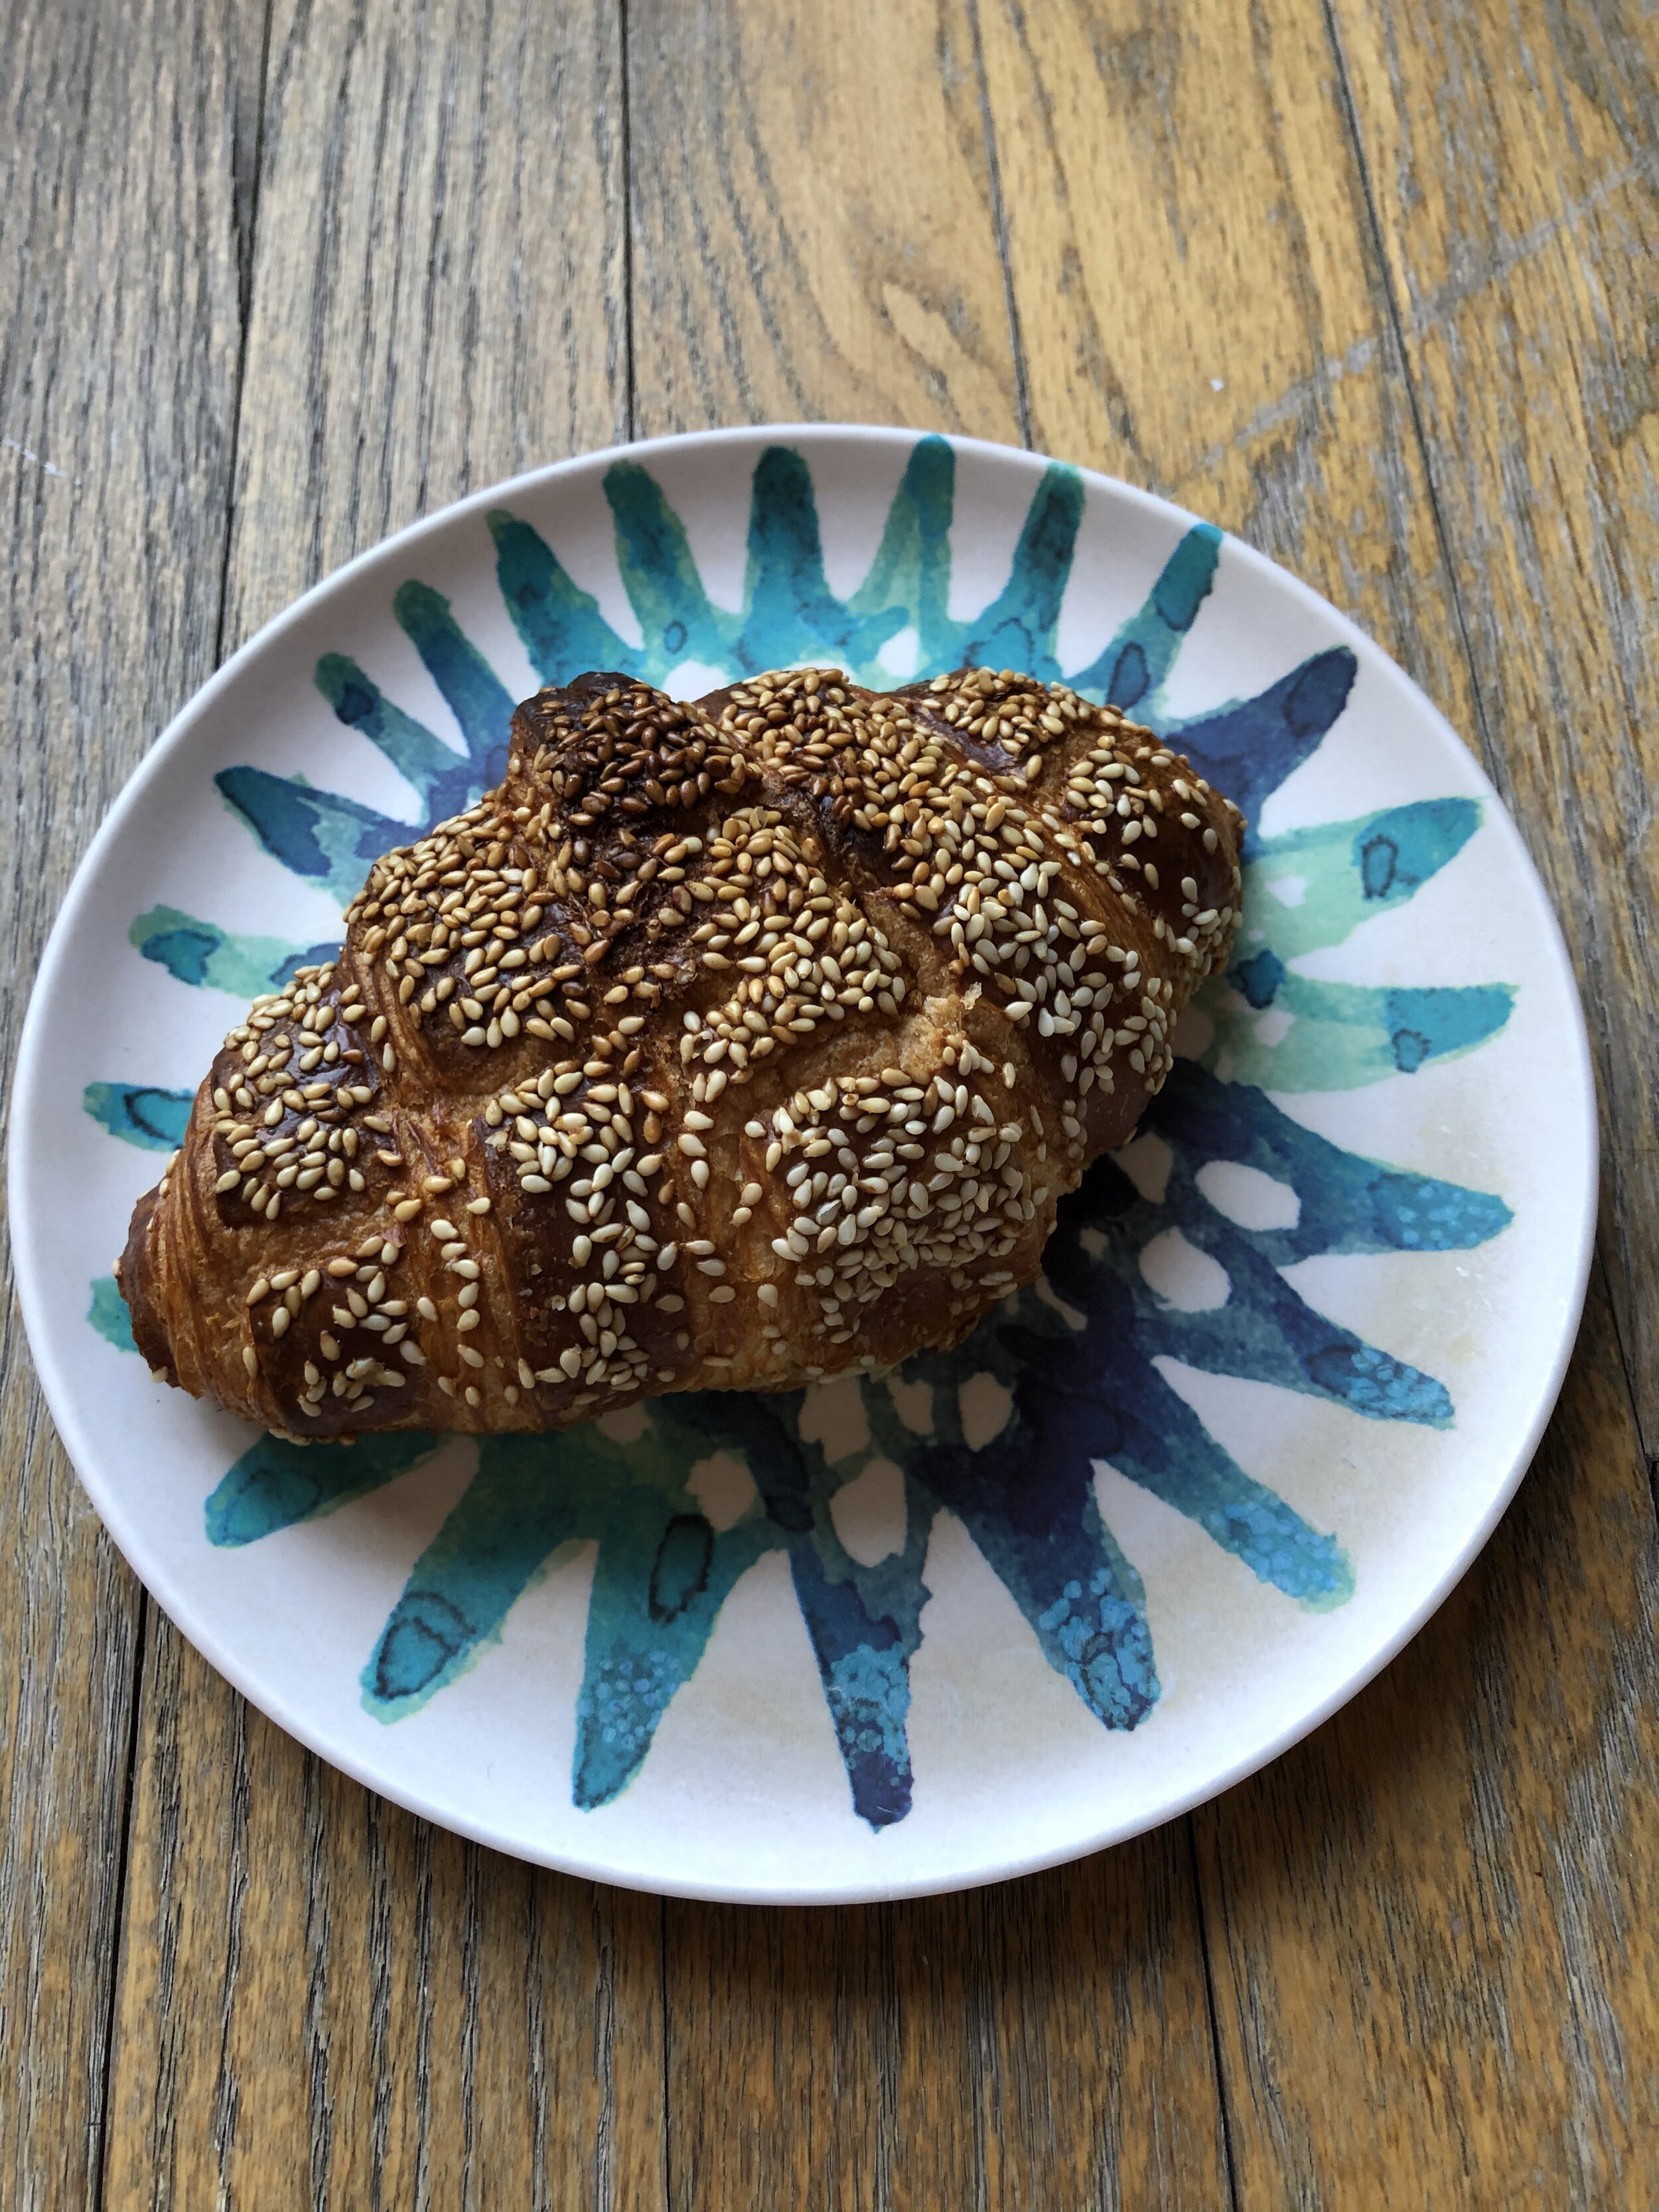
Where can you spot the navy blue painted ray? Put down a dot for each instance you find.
(864, 1623)
(1125, 1413)
(1347, 1203)
(1027, 1499)
(1093, 1393)
(1248, 751)
(1266, 1332)
(1263, 1332)
(863, 1656)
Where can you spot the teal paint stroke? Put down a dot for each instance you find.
(202, 954)
(442, 778)
(1282, 1030)
(331, 841)
(788, 611)
(275, 1483)
(1339, 1036)
(108, 1314)
(1313, 888)
(1083, 1361)
(140, 1113)
(1131, 670)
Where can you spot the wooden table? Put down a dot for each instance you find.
(1372, 284)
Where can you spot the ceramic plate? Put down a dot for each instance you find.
(1163, 1513)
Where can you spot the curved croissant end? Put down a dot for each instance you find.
(723, 1044)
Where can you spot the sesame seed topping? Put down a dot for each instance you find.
(659, 986)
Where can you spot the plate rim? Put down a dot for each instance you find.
(124, 1527)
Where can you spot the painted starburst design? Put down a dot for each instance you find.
(1005, 1432)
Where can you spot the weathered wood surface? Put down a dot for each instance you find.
(1516, 181)
(1436, 1920)
(1373, 291)
(1359, 2034)
(125, 163)
(815, 222)
(820, 239)
(438, 296)
(321, 2001)
(1046, 2042)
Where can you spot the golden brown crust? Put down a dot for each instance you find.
(724, 1045)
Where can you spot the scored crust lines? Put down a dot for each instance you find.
(737, 1042)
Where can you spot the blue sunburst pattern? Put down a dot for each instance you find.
(1006, 1431)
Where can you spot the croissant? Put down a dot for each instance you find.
(724, 1045)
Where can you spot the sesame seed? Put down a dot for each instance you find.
(1014, 822)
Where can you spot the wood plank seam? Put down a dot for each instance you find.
(1042, 113)
(248, 224)
(245, 197)
(662, 1971)
(88, 646)
(625, 102)
(1491, 753)
(113, 1964)
(1424, 317)
(1224, 2093)
(1491, 756)
(1000, 225)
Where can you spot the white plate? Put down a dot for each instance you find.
(1155, 1522)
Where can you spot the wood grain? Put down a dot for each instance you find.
(125, 154)
(1203, 169)
(1197, 311)
(325, 2002)
(1441, 1915)
(439, 296)
(1044, 2043)
(817, 237)
(814, 232)
(1515, 179)
(1054, 2044)
(780, 2058)
(322, 2002)
(1372, 286)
